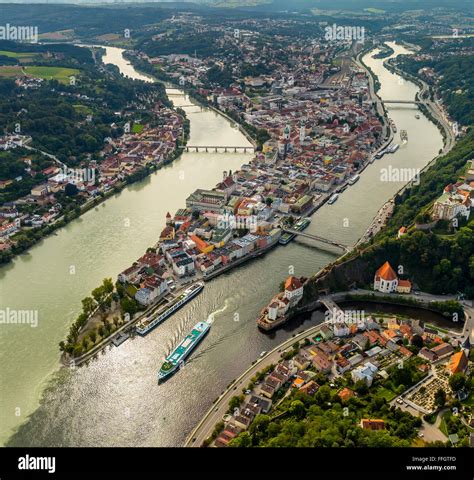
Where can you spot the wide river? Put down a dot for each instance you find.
(115, 400)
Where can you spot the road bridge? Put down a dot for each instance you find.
(217, 148)
(407, 102)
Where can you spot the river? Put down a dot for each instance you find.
(115, 400)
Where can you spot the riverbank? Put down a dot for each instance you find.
(380, 218)
(204, 428)
(145, 68)
(62, 221)
(122, 333)
(434, 114)
(203, 431)
(113, 175)
(430, 109)
(98, 244)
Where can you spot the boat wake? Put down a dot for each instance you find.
(211, 317)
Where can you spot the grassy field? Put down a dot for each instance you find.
(109, 37)
(374, 10)
(434, 327)
(48, 73)
(58, 35)
(84, 109)
(18, 55)
(383, 392)
(442, 425)
(9, 72)
(52, 73)
(137, 128)
(131, 290)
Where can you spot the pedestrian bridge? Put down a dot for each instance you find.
(332, 306)
(318, 239)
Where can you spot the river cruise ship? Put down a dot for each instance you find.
(176, 359)
(300, 225)
(149, 323)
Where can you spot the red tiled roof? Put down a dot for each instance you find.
(292, 283)
(386, 272)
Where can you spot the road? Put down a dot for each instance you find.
(386, 130)
(379, 221)
(204, 429)
(468, 328)
(436, 111)
(385, 212)
(206, 426)
(46, 154)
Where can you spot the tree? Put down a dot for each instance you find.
(108, 285)
(259, 425)
(243, 440)
(297, 408)
(128, 305)
(417, 340)
(234, 403)
(98, 294)
(107, 326)
(457, 382)
(323, 395)
(217, 429)
(88, 305)
(361, 387)
(70, 190)
(440, 398)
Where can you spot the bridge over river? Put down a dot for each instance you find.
(406, 102)
(217, 148)
(318, 239)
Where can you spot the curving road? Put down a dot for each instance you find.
(205, 427)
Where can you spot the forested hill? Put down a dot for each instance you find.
(452, 64)
(74, 108)
(440, 260)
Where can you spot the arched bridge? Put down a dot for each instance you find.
(318, 238)
(217, 148)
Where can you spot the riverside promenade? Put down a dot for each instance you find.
(220, 407)
(205, 427)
